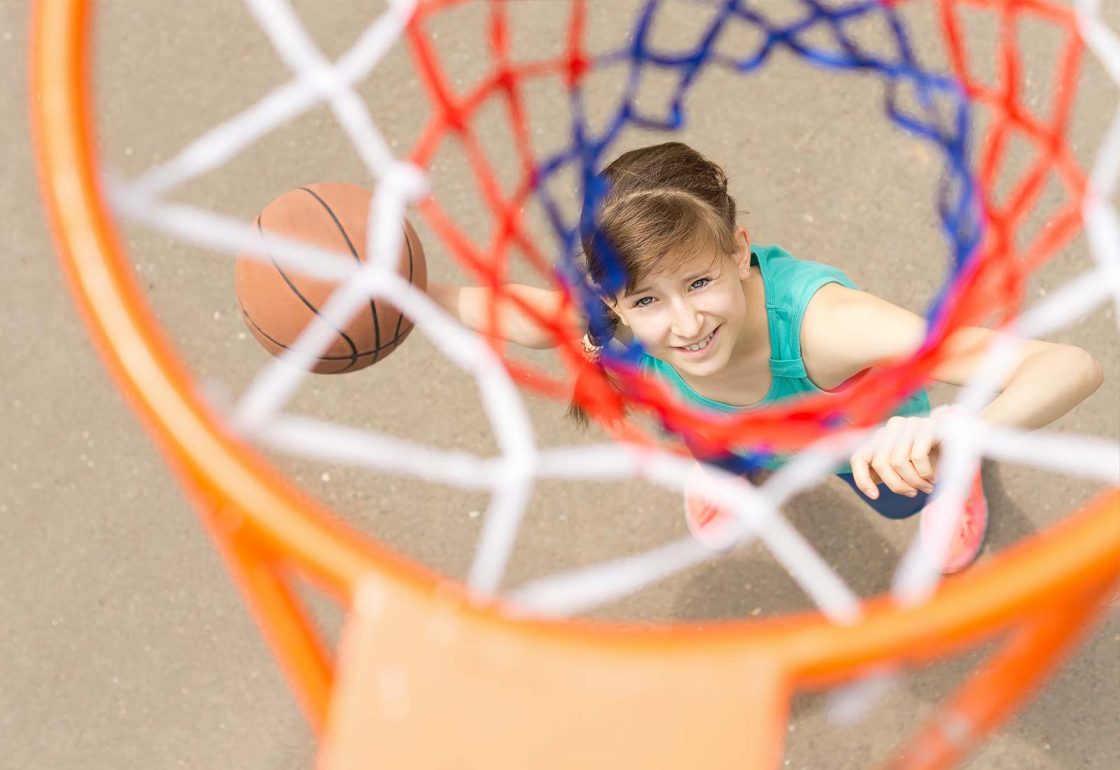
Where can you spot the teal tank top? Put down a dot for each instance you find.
(789, 284)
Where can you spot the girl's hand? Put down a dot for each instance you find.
(902, 454)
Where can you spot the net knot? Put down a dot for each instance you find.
(406, 180)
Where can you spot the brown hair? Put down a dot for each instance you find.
(663, 200)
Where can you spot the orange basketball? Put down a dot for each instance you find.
(277, 303)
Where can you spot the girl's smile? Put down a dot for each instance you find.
(701, 348)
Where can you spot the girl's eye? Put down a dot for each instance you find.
(700, 283)
(643, 302)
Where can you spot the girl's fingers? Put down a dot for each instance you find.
(890, 476)
(861, 473)
(892, 461)
(898, 456)
(904, 452)
(870, 466)
(909, 474)
(922, 453)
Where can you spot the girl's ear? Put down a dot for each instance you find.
(743, 257)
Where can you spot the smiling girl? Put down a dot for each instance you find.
(732, 327)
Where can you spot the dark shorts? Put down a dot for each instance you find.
(889, 504)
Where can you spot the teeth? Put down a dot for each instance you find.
(701, 344)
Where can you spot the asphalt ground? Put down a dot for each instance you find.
(124, 642)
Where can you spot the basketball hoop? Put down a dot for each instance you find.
(551, 689)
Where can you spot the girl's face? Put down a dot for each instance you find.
(691, 315)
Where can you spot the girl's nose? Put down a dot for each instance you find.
(687, 321)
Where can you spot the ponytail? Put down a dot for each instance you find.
(594, 386)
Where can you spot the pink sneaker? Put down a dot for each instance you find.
(711, 525)
(707, 522)
(971, 529)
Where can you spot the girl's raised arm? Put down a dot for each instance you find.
(846, 331)
(470, 304)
